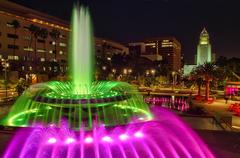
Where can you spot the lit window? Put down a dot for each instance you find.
(11, 57)
(27, 38)
(30, 68)
(42, 59)
(165, 40)
(55, 68)
(62, 44)
(50, 68)
(60, 52)
(29, 49)
(16, 58)
(150, 44)
(44, 68)
(51, 51)
(9, 25)
(203, 42)
(23, 68)
(52, 43)
(167, 45)
(41, 50)
(62, 36)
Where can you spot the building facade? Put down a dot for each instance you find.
(163, 48)
(31, 41)
(109, 48)
(36, 43)
(204, 50)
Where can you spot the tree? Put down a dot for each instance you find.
(55, 35)
(197, 78)
(15, 25)
(21, 86)
(208, 71)
(43, 34)
(34, 30)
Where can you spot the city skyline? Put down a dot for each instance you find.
(151, 18)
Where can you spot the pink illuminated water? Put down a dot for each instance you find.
(180, 104)
(165, 137)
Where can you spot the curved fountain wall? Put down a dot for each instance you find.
(164, 137)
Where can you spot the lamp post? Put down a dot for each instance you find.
(173, 79)
(5, 64)
(153, 71)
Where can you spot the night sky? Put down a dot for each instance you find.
(134, 20)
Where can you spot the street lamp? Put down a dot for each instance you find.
(125, 71)
(114, 71)
(147, 72)
(153, 71)
(173, 79)
(5, 64)
(129, 71)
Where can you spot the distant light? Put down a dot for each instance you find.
(107, 139)
(104, 68)
(52, 125)
(138, 134)
(88, 140)
(123, 137)
(70, 140)
(52, 140)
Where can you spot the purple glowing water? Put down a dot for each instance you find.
(180, 104)
(164, 137)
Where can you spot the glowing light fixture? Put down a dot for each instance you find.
(107, 139)
(138, 134)
(70, 140)
(52, 140)
(88, 140)
(123, 137)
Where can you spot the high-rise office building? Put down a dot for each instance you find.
(204, 52)
(162, 48)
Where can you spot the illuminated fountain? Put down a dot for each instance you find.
(87, 119)
(81, 100)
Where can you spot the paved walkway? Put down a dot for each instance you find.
(220, 108)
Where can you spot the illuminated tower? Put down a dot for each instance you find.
(204, 53)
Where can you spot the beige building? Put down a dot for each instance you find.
(25, 49)
(28, 51)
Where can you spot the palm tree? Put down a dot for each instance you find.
(43, 34)
(34, 30)
(55, 35)
(197, 78)
(15, 25)
(208, 71)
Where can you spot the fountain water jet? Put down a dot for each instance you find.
(81, 58)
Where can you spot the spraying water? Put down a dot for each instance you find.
(81, 58)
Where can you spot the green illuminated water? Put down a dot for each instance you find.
(81, 101)
(81, 58)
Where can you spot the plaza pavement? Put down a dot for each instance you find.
(219, 108)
